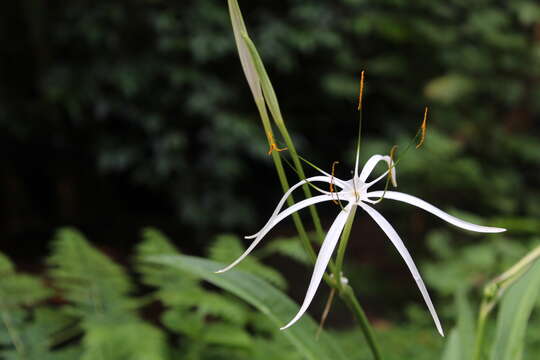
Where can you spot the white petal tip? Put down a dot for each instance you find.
(220, 271)
(291, 323)
(441, 332)
(251, 236)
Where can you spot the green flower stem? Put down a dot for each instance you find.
(347, 294)
(300, 170)
(485, 309)
(285, 184)
(343, 245)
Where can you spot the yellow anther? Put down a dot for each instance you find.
(273, 145)
(332, 180)
(423, 129)
(361, 91)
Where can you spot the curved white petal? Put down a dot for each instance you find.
(393, 178)
(286, 195)
(323, 258)
(413, 200)
(370, 165)
(291, 209)
(398, 243)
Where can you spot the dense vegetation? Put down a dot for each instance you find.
(115, 116)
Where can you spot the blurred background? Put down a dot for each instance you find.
(117, 116)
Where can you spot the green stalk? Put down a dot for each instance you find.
(343, 245)
(485, 309)
(273, 105)
(285, 184)
(301, 174)
(347, 294)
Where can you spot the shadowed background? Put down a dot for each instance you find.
(117, 116)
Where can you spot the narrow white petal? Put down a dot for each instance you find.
(393, 178)
(370, 165)
(398, 243)
(323, 258)
(286, 195)
(291, 209)
(413, 200)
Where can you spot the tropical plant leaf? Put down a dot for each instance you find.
(228, 248)
(515, 309)
(239, 28)
(290, 247)
(453, 348)
(266, 298)
(465, 324)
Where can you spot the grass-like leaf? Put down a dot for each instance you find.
(274, 304)
(239, 28)
(516, 307)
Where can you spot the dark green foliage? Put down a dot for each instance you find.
(153, 92)
(28, 330)
(92, 309)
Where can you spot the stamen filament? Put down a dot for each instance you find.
(325, 312)
(332, 192)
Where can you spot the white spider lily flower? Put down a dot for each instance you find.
(355, 192)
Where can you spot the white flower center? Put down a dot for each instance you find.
(355, 190)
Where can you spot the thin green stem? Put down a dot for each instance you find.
(343, 245)
(485, 309)
(347, 294)
(301, 174)
(285, 184)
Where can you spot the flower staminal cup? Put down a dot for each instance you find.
(356, 192)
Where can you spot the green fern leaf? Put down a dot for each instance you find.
(89, 280)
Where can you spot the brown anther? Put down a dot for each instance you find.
(361, 91)
(332, 181)
(273, 145)
(423, 129)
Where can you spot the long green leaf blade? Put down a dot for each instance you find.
(277, 306)
(516, 307)
(465, 324)
(452, 348)
(239, 28)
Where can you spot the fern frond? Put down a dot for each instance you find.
(18, 289)
(27, 333)
(121, 340)
(91, 281)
